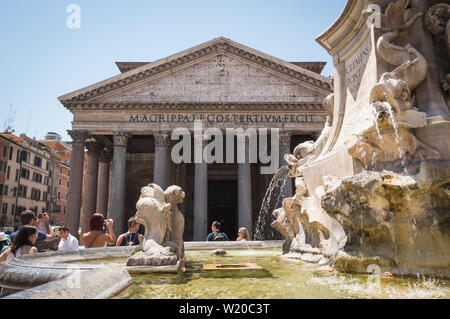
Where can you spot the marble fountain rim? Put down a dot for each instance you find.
(49, 271)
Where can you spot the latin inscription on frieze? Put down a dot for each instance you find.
(227, 118)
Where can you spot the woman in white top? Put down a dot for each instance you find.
(243, 234)
(22, 245)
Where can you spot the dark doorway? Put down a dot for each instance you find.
(222, 206)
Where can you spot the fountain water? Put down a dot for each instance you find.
(271, 201)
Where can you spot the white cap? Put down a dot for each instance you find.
(3, 236)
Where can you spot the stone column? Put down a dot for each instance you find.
(117, 199)
(201, 200)
(285, 148)
(103, 182)
(76, 180)
(245, 189)
(90, 185)
(160, 164)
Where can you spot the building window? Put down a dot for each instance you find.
(17, 175)
(68, 172)
(46, 166)
(8, 173)
(37, 178)
(25, 173)
(22, 191)
(1, 166)
(44, 196)
(68, 184)
(13, 209)
(11, 151)
(37, 161)
(35, 194)
(5, 150)
(67, 196)
(6, 190)
(60, 182)
(60, 170)
(26, 156)
(59, 195)
(4, 208)
(1, 188)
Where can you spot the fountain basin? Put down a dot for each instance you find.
(30, 273)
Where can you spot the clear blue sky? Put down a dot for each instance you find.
(41, 58)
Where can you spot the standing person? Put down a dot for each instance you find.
(132, 237)
(216, 234)
(67, 242)
(23, 244)
(95, 238)
(243, 234)
(27, 218)
(4, 245)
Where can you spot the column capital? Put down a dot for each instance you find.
(78, 137)
(105, 156)
(121, 138)
(94, 147)
(161, 138)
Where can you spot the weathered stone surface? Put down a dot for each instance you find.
(220, 78)
(401, 217)
(361, 265)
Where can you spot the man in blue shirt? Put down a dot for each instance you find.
(216, 234)
(27, 218)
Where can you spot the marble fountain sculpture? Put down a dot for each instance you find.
(163, 243)
(374, 189)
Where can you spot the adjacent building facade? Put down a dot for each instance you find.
(127, 124)
(26, 183)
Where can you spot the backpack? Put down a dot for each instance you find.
(219, 237)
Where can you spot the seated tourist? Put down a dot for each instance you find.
(22, 244)
(4, 244)
(95, 238)
(216, 234)
(27, 218)
(243, 234)
(67, 242)
(132, 237)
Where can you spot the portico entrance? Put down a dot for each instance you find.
(222, 205)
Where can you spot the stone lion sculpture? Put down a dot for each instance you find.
(164, 226)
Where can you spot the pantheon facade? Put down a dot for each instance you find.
(126, 123)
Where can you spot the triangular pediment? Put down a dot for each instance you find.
(217, 71)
